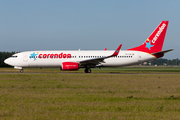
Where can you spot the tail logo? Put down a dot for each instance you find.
(148, 44)
(159, 32)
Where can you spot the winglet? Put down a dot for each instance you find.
(117, 51)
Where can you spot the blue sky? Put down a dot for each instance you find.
(86, 24)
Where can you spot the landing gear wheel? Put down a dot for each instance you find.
(21, 71)
(87, 70)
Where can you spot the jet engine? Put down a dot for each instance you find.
(70, 66)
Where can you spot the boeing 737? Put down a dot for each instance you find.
(73, 60)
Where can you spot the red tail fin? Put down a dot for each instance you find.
(155, 41)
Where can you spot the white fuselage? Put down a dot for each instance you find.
(56, 58)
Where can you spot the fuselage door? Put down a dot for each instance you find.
(139, 57)
(25, 57)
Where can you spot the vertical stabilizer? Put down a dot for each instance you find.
(155, 41)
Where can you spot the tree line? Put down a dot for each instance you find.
(165, 62)
(3, 56)
(160, 61)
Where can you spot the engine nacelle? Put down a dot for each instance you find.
(70, 66)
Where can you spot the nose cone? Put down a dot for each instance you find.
(7, 61)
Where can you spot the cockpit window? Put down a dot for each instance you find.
(14, 56)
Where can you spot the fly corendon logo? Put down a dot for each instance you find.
(34, 55)
(159, 32)
(52, 56)
(62, 55)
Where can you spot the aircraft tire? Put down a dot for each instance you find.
(87, 70)
(21, 71)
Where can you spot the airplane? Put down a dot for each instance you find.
(73, 60)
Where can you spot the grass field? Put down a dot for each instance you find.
(102, 70)
(48, 95)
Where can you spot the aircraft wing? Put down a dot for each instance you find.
(96, 61)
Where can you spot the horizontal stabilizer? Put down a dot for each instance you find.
(161, 54)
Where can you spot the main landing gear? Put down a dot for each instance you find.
(21, 71)
(87, 70)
